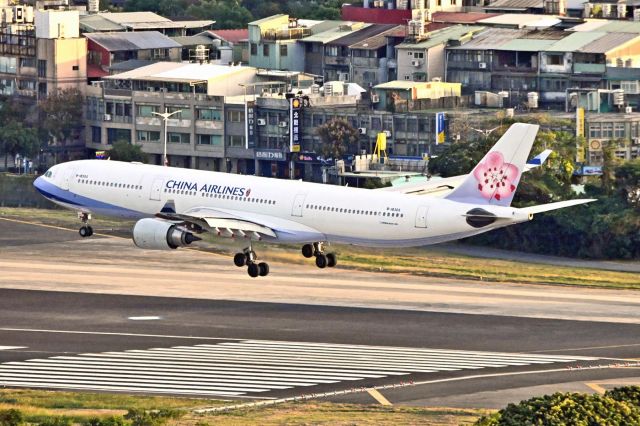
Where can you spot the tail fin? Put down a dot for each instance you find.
(494, 179)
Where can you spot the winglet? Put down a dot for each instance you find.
(538, 160)
(494, 180)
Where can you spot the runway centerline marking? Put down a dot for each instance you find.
(113, 333)
(10, 348)
(251, 367)
(143, 318)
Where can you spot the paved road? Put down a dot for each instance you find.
(99, 314)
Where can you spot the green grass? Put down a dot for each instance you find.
(417, 261)
(38, 405)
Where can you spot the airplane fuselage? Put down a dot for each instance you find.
(297, 211)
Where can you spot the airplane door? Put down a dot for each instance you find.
(66, 178)
(156, 187)
(298, 203)
(421, 217)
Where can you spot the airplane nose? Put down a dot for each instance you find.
(38, 184)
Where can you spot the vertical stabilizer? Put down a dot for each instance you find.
(494, 180)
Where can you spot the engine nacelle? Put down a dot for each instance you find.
(157, 234)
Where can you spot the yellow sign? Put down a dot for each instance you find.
(579, 122)
(295, 148)
(295, 103)
(381, 142)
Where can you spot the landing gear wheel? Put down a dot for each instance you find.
(331, 260)
(307, 250)
(240, 259)
(85, 231)
(263, 269)
(90, 230)
(253, 270)
(321, 261)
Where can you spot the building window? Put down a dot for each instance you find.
(235, 116)
(594, 131)
(235, 141)
(96, 134)
(118, 135)
(173, 137)
(75, 67)
(181, 111)
(283, 50)
(148, 136)
(607, 130)
(209, 139)
(208, 114)
(159, 53)
(254, 49)
(147, 110)
(42, 68)
(418, 55)
(619, 130)
(630, 87)
(555, 59)
(265, 50)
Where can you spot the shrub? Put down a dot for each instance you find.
(11, 417)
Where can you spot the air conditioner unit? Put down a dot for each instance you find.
(261, 122)
(106, 117)
(628, 110)
(150, 89)
(283, 124)
(375, 98)
(482, 65)
(635, 141)
(362, 130)
(343, 76)
(387, 133)
(416, 63)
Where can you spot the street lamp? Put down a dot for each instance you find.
(165, 116)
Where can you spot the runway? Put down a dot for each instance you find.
(100, 315)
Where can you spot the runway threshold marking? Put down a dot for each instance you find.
(249, 367)
(375, 393)
(596, 387)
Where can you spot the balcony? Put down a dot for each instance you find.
(210, 125)
(589, 68)
(285, 34)
(148, 121)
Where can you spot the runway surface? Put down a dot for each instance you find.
(99, 314)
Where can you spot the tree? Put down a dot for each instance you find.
(227, 13)
(62, 113)
(18, 139)
(337, 137)
(628, 182)
(124, 151)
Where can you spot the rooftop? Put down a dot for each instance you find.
(460, 17)
(340, 30)
(362, 34)
(443, 35)
(120, 41)
(120, 21)
(492, 38)
(379, 40)
(514, 5)
(180, 72)
(232, 36)
(521, 20)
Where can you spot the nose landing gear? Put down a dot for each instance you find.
(322, 260)
(248, 258)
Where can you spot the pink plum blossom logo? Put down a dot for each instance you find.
(495, 177)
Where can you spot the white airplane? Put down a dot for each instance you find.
(173, 205)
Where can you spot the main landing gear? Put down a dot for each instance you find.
(248, 258)
(85, 230)
(322, 260)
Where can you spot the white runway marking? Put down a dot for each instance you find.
(8, 348)
(148, 318)
(248, 367)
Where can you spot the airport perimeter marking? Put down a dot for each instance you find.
(596, 387)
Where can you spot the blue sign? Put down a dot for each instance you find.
(440, 136)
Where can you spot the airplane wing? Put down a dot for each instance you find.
(239, 224)
(441, 186)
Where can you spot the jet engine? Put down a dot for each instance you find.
(157, 234)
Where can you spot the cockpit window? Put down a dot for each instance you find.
(48, 174)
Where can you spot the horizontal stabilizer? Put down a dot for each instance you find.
(538, 160)
(554, 206)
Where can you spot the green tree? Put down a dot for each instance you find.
(227, 13)
(566, 409)
(18, 139)
(124, 151)
(62, 113)
(338, 137)
(627, 178)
